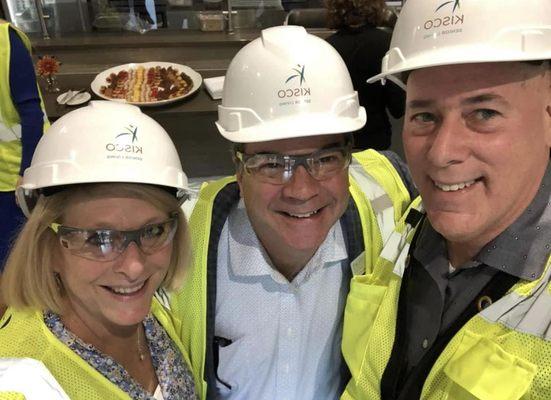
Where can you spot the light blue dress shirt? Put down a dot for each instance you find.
(283, 338)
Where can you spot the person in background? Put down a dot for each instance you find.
(362, 43)
(458, 305)
(275, 246)
(22, 122)
(106, 233)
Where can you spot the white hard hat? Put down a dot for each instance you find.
(103, 142)
(443, 32)
(284, 84)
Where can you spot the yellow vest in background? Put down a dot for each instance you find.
(380, 197)
(10, 123)
(502, 353)
(26, 335)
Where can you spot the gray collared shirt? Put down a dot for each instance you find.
(437, 296)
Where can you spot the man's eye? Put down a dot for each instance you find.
(271, 166)
(423, 117)
(485, 114)
(330, 158)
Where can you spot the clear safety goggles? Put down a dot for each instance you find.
(279, 168)
(108, 244)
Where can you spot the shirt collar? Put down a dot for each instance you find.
(523, 248)
(247, 256)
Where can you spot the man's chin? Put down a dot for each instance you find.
(452, 225)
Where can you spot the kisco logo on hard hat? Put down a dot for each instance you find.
(298, 94)
(425, 37)
(99, 143)
(286, 84)
(132, 131)
(446, 21)
(299, 74)
(455, 4)
(120, 147)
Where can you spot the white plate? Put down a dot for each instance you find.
(101, 80)
(79, 98)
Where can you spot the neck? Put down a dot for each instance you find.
(290, 264)
(460, 253)
(116, 341)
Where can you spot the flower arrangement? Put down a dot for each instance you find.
(47, 67)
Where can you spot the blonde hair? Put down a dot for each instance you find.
(28, 280)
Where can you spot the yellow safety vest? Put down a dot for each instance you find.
(25, 335)
(10, 123)
(380, 198)
(502, 353)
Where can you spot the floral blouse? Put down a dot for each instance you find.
(174, 376)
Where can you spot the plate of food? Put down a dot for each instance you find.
(147, 84)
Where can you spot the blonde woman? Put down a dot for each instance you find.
(106, 235)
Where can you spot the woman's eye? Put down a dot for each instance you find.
(154, 231)
(98, 239)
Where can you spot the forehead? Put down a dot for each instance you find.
(300, 145)
(456, 80)
(101, 210)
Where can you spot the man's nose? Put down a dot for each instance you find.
(301, 185)
(449, 144)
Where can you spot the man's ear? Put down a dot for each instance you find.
(239, 178)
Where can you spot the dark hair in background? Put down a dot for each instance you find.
(350, 13)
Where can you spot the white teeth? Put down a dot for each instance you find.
(127, 290)
(305, 215)
(454, 187)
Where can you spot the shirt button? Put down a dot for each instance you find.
(425, 343)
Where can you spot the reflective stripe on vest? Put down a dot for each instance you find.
(8, 134)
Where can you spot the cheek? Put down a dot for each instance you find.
(415, 154)
(338, 188)
(163, 258)
(258, 196)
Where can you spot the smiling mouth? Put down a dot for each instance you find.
(302, 215)
(126, 290)
(454, 187)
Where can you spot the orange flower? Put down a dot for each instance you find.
(47, 66)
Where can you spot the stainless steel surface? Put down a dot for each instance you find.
(230, 16)
(42, 19)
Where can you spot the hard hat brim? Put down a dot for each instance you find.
(296, 126)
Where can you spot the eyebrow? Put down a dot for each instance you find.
(420, 103)
(483, 98)
(327, 146)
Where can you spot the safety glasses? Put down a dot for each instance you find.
(279, 168)
(108, 244)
